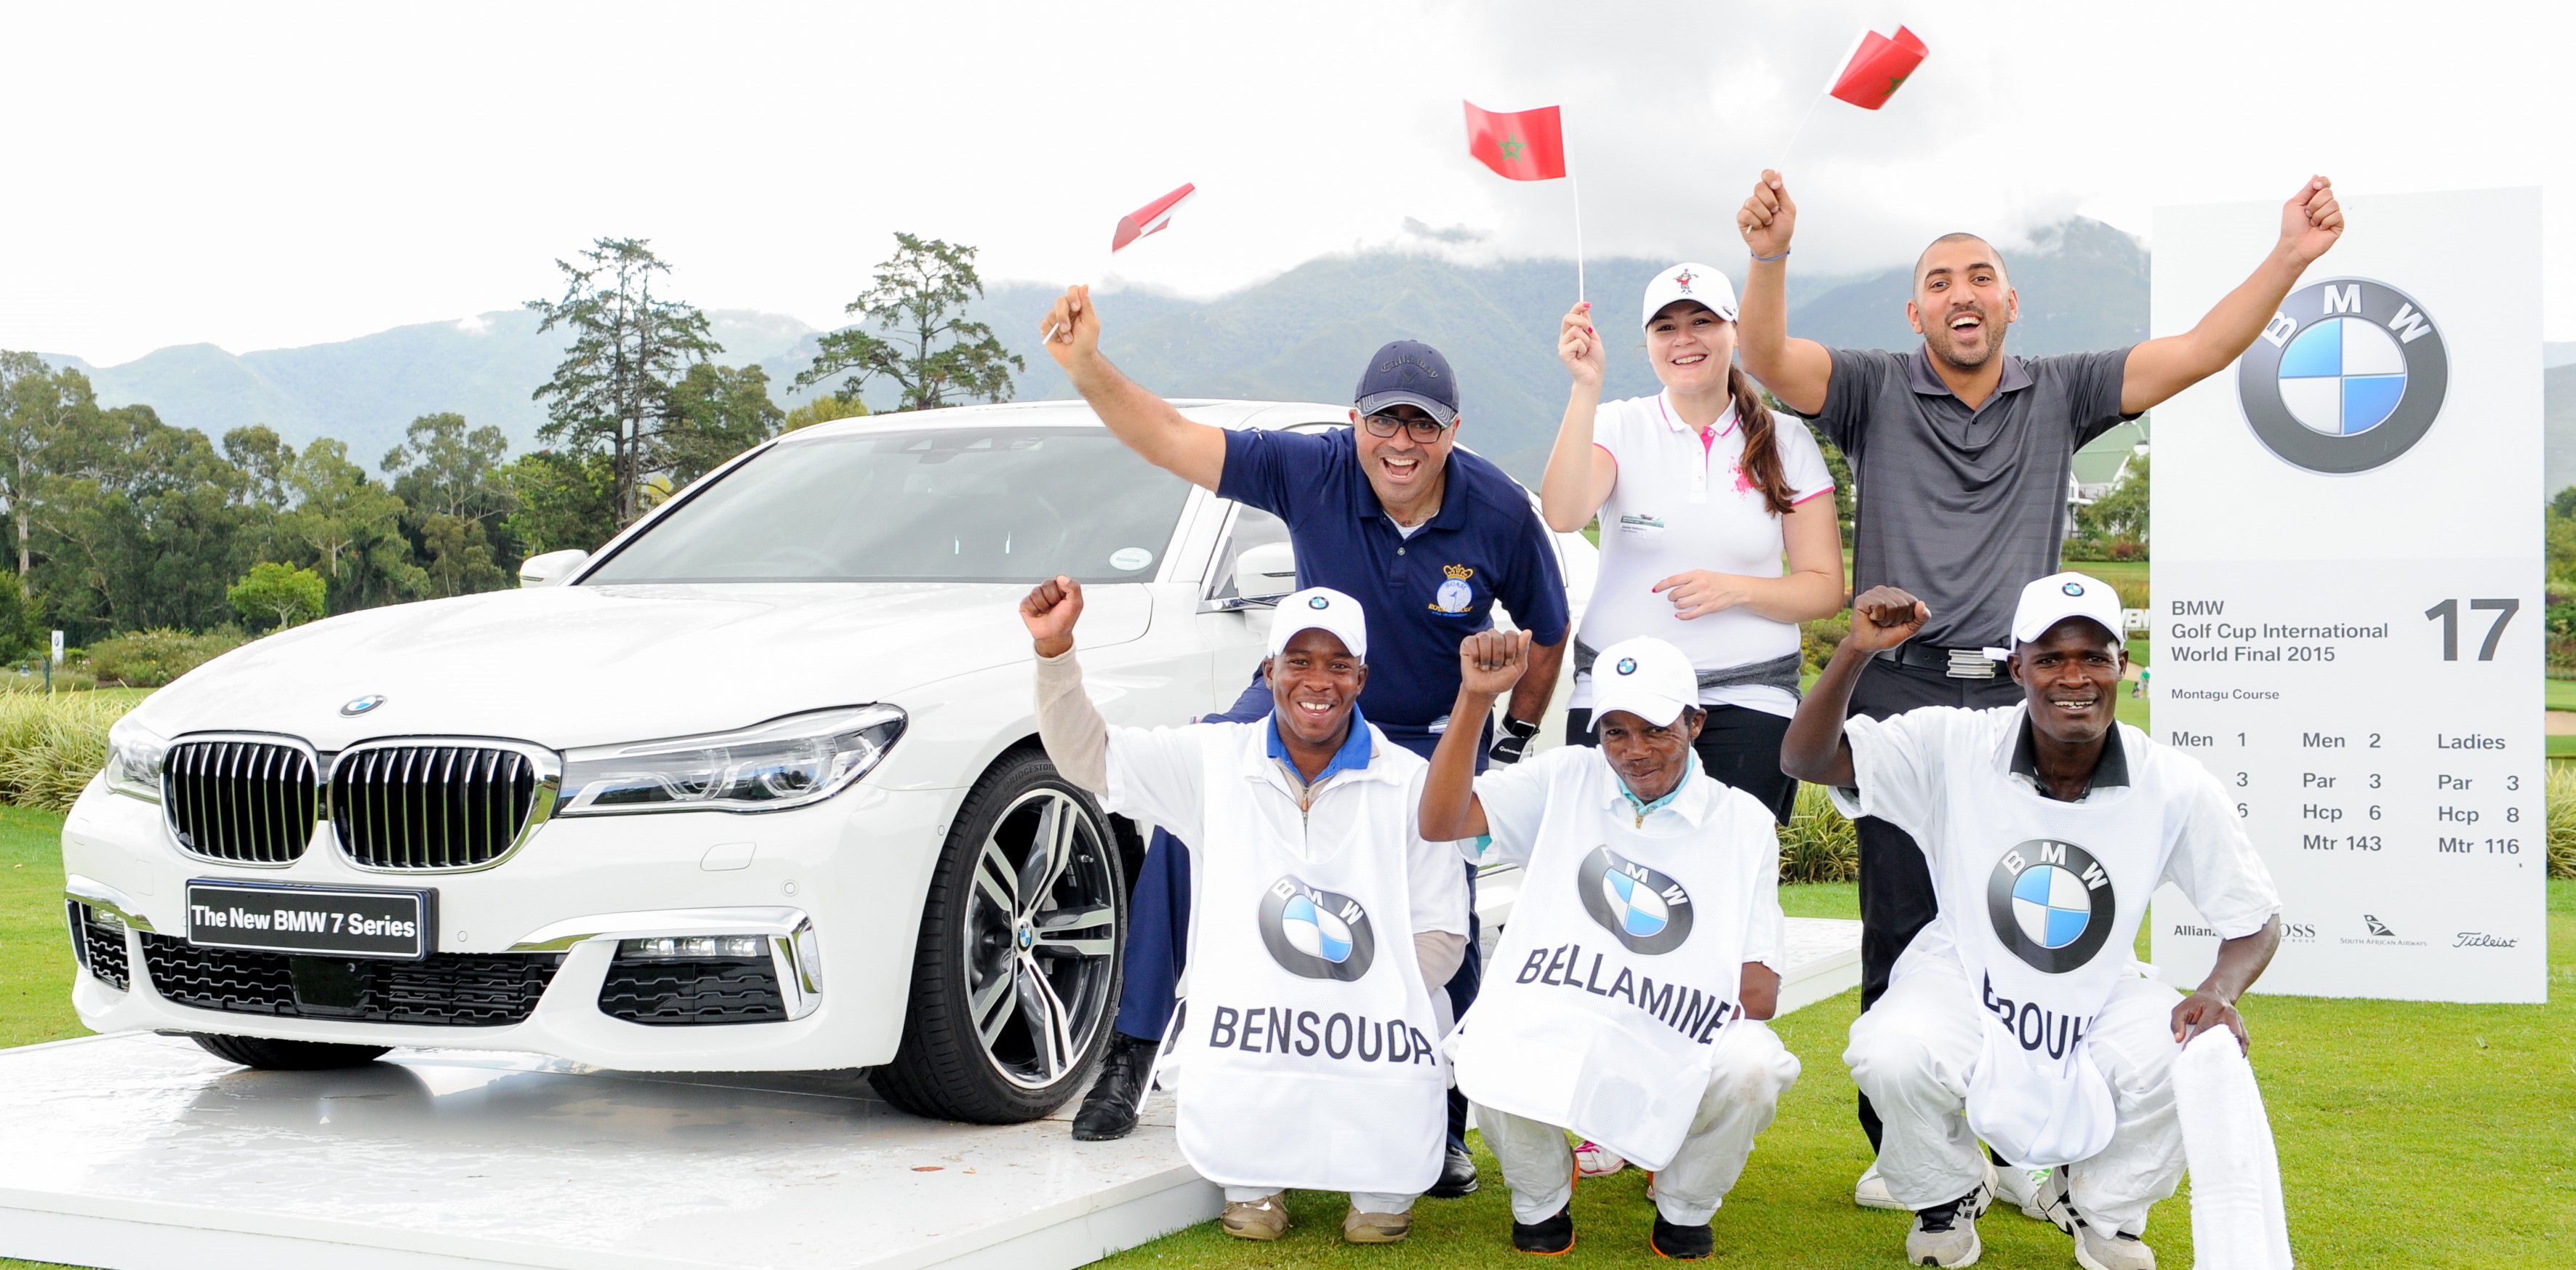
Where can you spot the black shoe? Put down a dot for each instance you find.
(1109, 1110)
(1457, 1177)
(1682, 1243)
(1551, 1238)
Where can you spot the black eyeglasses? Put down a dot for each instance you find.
(1425, 431)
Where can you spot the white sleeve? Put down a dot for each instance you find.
(1434, 875)
(1800, 460)
(1515, 803)
(1155, 776)
(1766, 935)
(1610, 425)
(1897, 766)
(2214, 863)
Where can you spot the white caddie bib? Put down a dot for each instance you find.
(1307, 1047)
(2044, 915)
(1623, 960)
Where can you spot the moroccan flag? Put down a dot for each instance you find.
(1150, 218)
(1525, 145)
(1878, 68)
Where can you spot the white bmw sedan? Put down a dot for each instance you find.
(756, 787)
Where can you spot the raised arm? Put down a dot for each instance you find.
(1070, 727)
(1795, 371)
(1814, 749)
(1149, 425)
(1489, 663)
(2311, 222)
(1579, 474)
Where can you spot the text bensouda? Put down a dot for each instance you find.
(1306, 1033)
(1679, 1006)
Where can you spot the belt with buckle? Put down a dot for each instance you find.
(1957, 663)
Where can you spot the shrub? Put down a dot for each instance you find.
(51, 745)
(1821, 637)
(1818, 845)
(151, 659)
(2562, 820)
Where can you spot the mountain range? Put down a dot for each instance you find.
(1301, 336)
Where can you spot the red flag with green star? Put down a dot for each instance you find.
(1878, 68)
(1524, 145)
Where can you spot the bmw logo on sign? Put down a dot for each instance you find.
(2349, 375)
(363, 704)
(1316, 934)
(2051, 903)
(1645, 909)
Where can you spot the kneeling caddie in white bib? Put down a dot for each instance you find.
(1307, 1047)
(1624, 1001)
(2019, 1016)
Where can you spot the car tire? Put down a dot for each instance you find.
(1006, 1017)
(287, 1056)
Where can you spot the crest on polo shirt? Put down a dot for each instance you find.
(1454, 595)
(2051, 903)
(1644, 909)
(1314, 933)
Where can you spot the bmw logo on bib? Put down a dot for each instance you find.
(1316, 934)
(2349, 375)
(2051, 903)
(1645, 909)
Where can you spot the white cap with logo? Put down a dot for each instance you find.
(1320, 608)
(2059, 596)
(1689, 281)
(1645, 677)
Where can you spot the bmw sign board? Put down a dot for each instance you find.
(2346, 597)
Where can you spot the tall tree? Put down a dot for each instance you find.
(143, 524)
(716, 413)
(611, 393)
(929, 348)
(37, 404)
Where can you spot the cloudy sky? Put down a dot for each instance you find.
(266, 176)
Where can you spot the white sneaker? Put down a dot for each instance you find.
(2053, 1204)
(2023, 1188)
(1595, 1160)
(2111, 1252)
(1871, 1191)
(1945, 1236)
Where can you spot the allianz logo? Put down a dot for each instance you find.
(2294, 932)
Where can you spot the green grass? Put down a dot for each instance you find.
(2561, 746)
(2411, 1135)
(2561, 694)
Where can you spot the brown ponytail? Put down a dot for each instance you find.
(1761, 463)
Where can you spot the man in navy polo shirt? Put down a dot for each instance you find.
(1425, 537)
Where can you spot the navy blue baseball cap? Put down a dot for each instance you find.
(1409, 373)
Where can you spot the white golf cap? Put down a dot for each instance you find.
(1645, 677)
(1320, 608)
(2059, 596)
(1689, 281)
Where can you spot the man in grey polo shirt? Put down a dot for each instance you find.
(1962, 455)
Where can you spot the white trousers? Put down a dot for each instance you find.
(1364, 1201)
(1912, 1052)
(1749, 1071)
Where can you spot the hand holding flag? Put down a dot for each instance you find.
(1768, 217)
(1072, 315)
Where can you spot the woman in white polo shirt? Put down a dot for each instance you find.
(1701, 493)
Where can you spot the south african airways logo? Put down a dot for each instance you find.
(2348, 375)
(1646, 910)
(1314, 933)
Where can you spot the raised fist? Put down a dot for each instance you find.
(1050, 611)
(1491, 662)
(1579, 347)
(1884, 617)
(1071, 328)
(2311, 222)
(1768, 217)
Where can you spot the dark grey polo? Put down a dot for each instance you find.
(1961, 507)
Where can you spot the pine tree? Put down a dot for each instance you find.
(612, 393)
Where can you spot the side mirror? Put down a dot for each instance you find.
(1265, 574)
(550, 568)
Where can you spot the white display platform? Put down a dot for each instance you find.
(141, 1152)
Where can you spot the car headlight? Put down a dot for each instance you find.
(788, 762)
(134, 757)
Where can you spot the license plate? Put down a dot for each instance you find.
(311, 919)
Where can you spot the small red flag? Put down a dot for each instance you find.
(1879, 68)
(1149, 219)
(1526, 145)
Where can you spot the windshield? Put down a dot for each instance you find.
(957, 504)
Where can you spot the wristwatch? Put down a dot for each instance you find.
(1514, 741)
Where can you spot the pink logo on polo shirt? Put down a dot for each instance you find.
(1743, 483)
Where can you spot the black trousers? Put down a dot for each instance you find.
(1896, 896)
(1738, 746)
